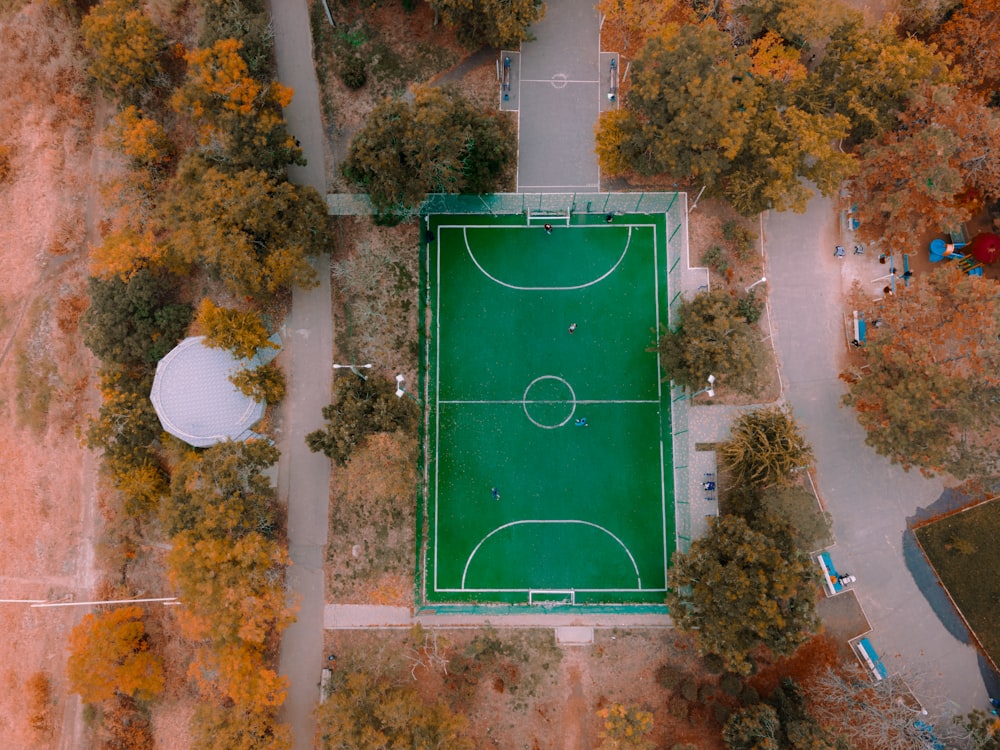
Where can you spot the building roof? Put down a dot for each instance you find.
(196, 401)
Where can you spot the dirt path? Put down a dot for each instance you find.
(576, 715)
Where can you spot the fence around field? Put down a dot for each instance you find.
(500, 204)
(672, 204)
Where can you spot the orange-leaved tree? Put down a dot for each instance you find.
(111, 653)
(238, 116)
(240, 331)
(125, 45)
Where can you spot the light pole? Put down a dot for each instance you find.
(709, 390)
(400, 389)
(354, 368)
(761, 281)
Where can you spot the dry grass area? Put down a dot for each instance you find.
(47, 482)
(519, 689)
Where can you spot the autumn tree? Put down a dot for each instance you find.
(625, 728)
(242, 332)
(981, 728)
(247, 21)
(220, 725)
(126, 424)
(788, 144)
(970, 35)
(921, 177)
(634, 20)
(738, 589)
(125, 46)
(368, 712)
(798, 22)
(361, 407)
(110, 653)
(239, 116)
(491, 23)
(265, 382)
(929, 390)
(251, 230)
(782, 722)
(233, 589)
(712, 337)
(124, 252)
(765, 447)
(140, 138)
(134, 321)
(867, 74)
(223, 491)
(441, 143)
(689, 109)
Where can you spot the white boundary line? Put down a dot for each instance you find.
(557, 82)
(598, 280)
(518, 401)
(522, 522)
(438, 401)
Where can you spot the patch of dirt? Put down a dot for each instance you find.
(47, 482)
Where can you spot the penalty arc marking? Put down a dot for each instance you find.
(465, 571)
(491, 277)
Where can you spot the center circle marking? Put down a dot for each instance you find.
(572, 402)
(559, 81)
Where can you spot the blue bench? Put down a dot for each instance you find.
(870, 659)
(831, 578)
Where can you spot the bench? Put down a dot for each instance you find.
(830, 576)
(870, 659)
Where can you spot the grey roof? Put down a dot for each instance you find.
(196, 401)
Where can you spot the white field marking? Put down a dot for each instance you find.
(577, 590)
(437, 391)
(572, 401)
(555, 80)
(568, 521)
(518, 402)
(659, 394)
(494, 279)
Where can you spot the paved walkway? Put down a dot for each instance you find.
(557, 89)
(869, 498)
(303, 476)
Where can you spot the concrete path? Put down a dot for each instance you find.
(869, 498)
(559, 95)
(303, 476)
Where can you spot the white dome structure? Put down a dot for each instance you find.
(196, 401)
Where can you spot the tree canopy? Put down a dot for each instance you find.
(766, 445)
(929, 392)
(933, 171)
(240, 331)
(135, 321)
(369, 712)
(361, 407)
(440, 143)
(110, 653)
(689, 108)
(738, 589)
(251, 230)
(712, 338)
(491, 23)
(125, 45)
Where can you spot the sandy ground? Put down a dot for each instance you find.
(47, 482)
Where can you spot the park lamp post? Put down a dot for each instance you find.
(760, 281)
(401, 389)
(354, 368)
(709, 390)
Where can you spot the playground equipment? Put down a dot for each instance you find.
(984, 249)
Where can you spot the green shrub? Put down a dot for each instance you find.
(715, 258)
(689, 689)
(668, 676)
(731, 684)
(750, 307)
(714, 663)
(679, 709)
(353, 72)
(740, 239)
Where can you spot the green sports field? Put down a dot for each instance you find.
(585, 512)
